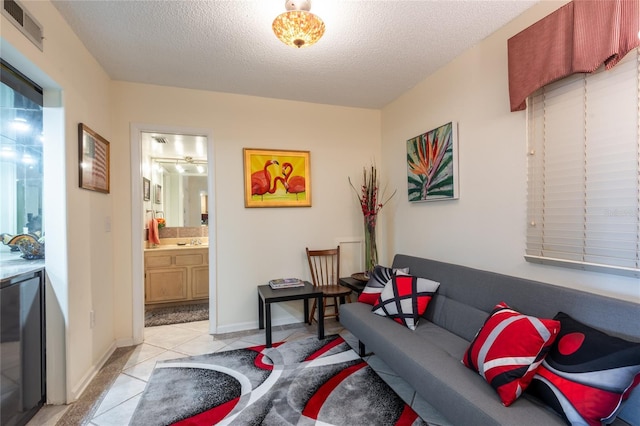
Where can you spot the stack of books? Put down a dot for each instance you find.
(286, 283)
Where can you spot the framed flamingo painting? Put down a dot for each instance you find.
(432, 164)
(276, 178)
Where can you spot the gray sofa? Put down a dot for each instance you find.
(429, 358)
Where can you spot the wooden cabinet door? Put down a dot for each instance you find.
(200, 282)
(166, 285)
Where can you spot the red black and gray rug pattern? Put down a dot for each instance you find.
(303, 382)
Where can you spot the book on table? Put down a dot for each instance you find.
(286, 283)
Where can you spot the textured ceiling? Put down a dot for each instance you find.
(372, 51)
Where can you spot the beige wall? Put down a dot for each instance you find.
(486, 227)
(252, 245)
(79, 250)
(91, 269)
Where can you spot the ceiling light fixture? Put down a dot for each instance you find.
(27, 159)
(20, 124)
(298, 27)
(7, 152)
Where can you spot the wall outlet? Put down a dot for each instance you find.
(92, 319)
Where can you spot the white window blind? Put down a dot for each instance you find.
(584, 171)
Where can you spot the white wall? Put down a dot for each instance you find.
(486, 227)
(253, 245)
(79, 250)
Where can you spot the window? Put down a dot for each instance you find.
(584, 171)
(20, 153)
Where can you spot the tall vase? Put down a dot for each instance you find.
(370, 246)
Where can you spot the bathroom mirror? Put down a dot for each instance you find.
(182, 193)
(176, 169)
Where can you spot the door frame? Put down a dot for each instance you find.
(137, 222)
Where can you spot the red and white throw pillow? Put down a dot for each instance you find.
(379, 278)
(509, 348)
(405, 298)
(588, 374)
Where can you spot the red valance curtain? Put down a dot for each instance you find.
(578, 37)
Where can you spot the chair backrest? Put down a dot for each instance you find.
(324, 266)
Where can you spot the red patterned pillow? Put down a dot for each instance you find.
(509, 348)
(379, 278)
(588, 374)
(405, 298)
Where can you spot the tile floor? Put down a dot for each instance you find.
(116, 404)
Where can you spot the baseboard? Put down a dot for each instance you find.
(123, 343)
(230, 328)
(253, 325)
(77, 390)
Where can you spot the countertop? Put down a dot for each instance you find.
(162, 247)
(11, 264)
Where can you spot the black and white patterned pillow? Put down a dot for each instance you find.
(379, 278)
(405, 298)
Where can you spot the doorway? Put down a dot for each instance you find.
(172, 178)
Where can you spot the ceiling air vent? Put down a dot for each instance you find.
(160, 139)
(23, 20)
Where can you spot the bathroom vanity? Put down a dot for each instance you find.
(174, 273)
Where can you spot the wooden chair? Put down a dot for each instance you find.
(325, 272)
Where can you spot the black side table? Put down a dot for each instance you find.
(353, 284)
(267, 296)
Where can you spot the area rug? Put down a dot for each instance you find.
(176, 314)
(303, 382)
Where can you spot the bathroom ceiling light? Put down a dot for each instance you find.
(7, 152)
(298, 27)
(20, 124)
(28, 159)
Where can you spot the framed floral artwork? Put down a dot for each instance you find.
(276, 178)
(432, 164)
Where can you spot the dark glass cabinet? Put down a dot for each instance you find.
(22, 347)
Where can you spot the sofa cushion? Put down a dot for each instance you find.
(508, 350)
(587, 374)
(429, 360)
(455, 316)
(379, 278)
(405, 298)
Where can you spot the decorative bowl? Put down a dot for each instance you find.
(5, 238)
(29, 245)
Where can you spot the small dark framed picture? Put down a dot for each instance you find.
(158, 194)
(146, 189)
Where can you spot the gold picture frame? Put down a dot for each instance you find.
(93, 160)
(276, 178)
